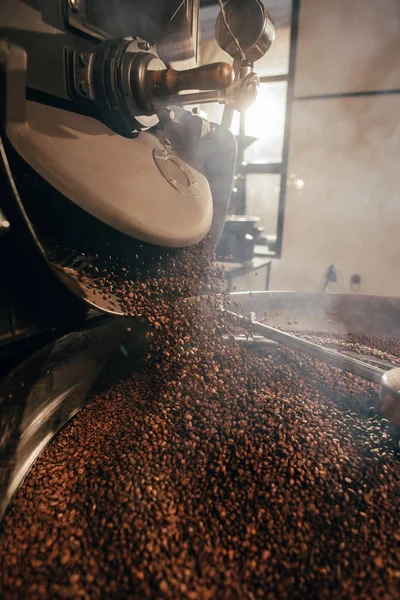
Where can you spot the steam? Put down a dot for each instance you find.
(123, 18)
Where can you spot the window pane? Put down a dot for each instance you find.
(265, 120)
(276, 61)
(262, 200)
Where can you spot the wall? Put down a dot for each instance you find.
(343, 194)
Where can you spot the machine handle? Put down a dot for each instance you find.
(217, 76)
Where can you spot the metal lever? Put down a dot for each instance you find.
(238, 96)
(389, 381)
(217, 76)
(327, 355)
(242, 69)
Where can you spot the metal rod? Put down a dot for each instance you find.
(327, 355)
(186, 99)
(227, 117)
(177, 10)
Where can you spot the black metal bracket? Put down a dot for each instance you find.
(79, 75)
(75, 15)
(13, 62)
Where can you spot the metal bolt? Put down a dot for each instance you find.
(84, 87)
(74, 5)
(83, 59)
(4, 225)
(173, 181)
(144, 46)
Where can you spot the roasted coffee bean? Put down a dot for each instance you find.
(216, 473)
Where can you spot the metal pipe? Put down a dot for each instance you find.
(327, 355)
(187, 99)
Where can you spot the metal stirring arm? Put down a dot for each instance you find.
(389, 381)
(327, 355)
(372, 360)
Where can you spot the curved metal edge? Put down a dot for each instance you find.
(47, 390)
(13, 62)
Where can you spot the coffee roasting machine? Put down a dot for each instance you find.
(100, 148)
(104, 159)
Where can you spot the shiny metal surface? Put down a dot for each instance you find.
(46, 391)
(61, 247)
(389, 394)
(327, 355)
(39, 397)
(176, 172)
(252, 26)
(112, 178)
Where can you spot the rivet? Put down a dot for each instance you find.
(144, 46)
(83, 59)
(84, 87)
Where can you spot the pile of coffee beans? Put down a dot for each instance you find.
(384, 349)
(215, 473)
